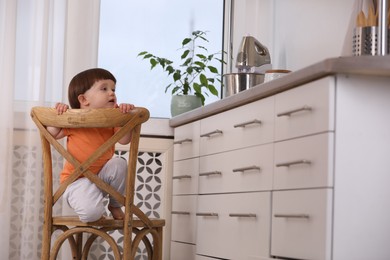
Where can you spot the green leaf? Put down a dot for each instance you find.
(167, 87)
(200, 64)
(202, 98)
(203, 79)
(185, 54)
(147, 56)
(175, 89)
(170, 69)
(221, 61)
(213, 90)
(162, 62)
(197, 88)
(142, 53)
(190, 70)
(212, 69)
(176, 75)
(185, 41)
(201, 56)
(188, 61)
(153, 63)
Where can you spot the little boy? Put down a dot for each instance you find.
(93, 88)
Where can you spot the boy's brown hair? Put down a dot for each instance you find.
(84, 81)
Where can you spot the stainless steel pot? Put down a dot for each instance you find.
(237, 82)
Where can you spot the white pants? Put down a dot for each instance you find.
(86, 199)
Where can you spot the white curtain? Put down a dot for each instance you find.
(43, 43)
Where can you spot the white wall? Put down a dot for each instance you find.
(297, 33)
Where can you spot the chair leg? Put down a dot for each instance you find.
(157, 244)
(45, 254)
(79, 246)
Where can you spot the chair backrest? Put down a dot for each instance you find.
(90, 118)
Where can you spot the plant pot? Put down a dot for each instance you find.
(184, 103)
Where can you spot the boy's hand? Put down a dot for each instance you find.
(61, 108)
(126, 108)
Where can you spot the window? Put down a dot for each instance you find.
(129, 27)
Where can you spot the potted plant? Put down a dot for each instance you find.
(189, 85)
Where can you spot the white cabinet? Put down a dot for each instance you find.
(231, 174)
(305, 162)
(185, 177)
(186, 141)
(185, 190)
(184, 219)
(301, 223)
(233, 226)
(305, 110)
(245, 126)
(181, 251)
(303, 171)
(302, 174)
(248, 169)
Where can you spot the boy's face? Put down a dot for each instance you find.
(100, 95)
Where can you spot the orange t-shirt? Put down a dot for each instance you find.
(81, 143)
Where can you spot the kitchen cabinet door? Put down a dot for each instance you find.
(182, 251)
(234, 226)
(245, 126)
(186, 141)
(183, 218)
(185, 177)
(305, 162)
(302, 224)
(305, 110)
(243, 170)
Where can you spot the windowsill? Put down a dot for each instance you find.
(157, 127)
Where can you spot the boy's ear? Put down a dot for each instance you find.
(83, 101)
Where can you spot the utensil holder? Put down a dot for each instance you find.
(365, 41)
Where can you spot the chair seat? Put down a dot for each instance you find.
(103, 222)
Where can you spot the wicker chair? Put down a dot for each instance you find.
(136, 225)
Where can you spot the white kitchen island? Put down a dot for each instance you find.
(295, 168)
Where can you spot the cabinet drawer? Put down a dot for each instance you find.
(186, 141)
(245, 126)
(305, 110)
(181, 251)
(185, 177)
(233, 226)
(184, 219)
(248, 169)
(301, 224)
(304, 162)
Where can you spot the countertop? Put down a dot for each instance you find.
(358, 65)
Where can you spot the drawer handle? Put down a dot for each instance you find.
(187, 140)
(252, 122)
(180, 212)
(289, 113)
(210, 173)
(179, 177)
(248, 168)
(288, 164)
(211, 214)
(215, 132)
(241, 215)
(291, 216)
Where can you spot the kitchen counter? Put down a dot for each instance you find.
(362, 65)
